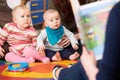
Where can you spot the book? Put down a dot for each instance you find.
(91, 20)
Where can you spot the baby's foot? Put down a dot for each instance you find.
(56, 57)
(30, 60)
(74, 56)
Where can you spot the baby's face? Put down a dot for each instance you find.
(22, 18)
(53, 20)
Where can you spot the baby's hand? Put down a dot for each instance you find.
(75, 46)
(42, 53)
(41, 50)
(2, 52)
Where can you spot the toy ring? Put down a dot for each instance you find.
(18, 67)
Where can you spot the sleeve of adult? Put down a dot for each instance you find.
(109, 66)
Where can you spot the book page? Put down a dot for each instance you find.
(91, 20)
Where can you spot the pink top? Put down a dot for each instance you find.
(23, 38)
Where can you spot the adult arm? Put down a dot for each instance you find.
(110, 64)
(89, 63)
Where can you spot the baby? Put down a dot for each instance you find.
(49, 38)
(24, 49)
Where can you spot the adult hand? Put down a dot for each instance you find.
(11, 40)
(1, 52)
(64, 41)
(89, 63)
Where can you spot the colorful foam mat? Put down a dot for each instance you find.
(36, 71)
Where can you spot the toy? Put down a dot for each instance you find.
(18, 67)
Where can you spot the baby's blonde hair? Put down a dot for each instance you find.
(18, 7)
(49, 11)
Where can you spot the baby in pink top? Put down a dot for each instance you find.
(24, 49)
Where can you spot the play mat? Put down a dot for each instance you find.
(36, 71)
